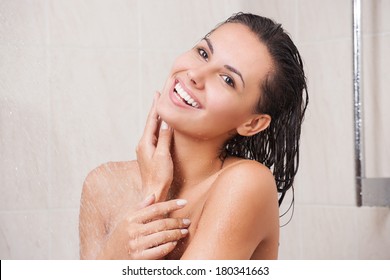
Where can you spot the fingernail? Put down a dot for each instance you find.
(181, 202)
(186, 222)
(184, 231)
(164, 125)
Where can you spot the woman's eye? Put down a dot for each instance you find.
(228, 80)
(203, 54)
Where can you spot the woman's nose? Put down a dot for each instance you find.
(197, 76)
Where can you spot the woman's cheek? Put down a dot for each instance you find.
(223, 108)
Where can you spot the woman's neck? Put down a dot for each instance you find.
(194, 160)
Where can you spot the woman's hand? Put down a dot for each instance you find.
(147, 233)
(154, 157)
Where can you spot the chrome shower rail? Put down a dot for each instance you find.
(358, 132)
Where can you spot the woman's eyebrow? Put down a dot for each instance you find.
(209, 44)
(230, 68)
(234, 70)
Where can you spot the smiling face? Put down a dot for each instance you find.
(212, 89)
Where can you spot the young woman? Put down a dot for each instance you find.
(220, 142)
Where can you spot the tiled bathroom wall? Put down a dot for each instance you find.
(77, 80)
(326, 222)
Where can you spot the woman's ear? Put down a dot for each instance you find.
(255, 124)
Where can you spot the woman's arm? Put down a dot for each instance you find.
(154, 156)
(92, 225)
(144, 232)
(240, 213)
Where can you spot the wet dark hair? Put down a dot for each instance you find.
(283, 96)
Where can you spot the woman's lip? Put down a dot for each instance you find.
(175, 100)
(181, 102)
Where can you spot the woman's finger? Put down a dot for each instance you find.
(152, 120)
(157, 252)
(148, 140)
(149, 200)
(157, 210)
(164, 139)
(164, 225)
(162, 237)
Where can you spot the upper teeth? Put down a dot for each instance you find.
(183, 94)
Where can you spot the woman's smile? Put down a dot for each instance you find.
(181, 95)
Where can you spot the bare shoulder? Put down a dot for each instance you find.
(240, 215)
(110, 173)
(248, 188)
(109, 181)
(247, 176)
(113, 168)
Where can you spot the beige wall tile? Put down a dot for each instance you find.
(376, 103)
(326, 174)
(373, 230)
(181, 25)
(94, 113)
(101, 23)
(64, 234)
(22, 23)
(290, 247)
(329, 232)
(24, 75)
(24, 131)
(24, 235)
(320, 20)
(375, 16)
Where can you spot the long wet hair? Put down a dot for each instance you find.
(283, 96)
